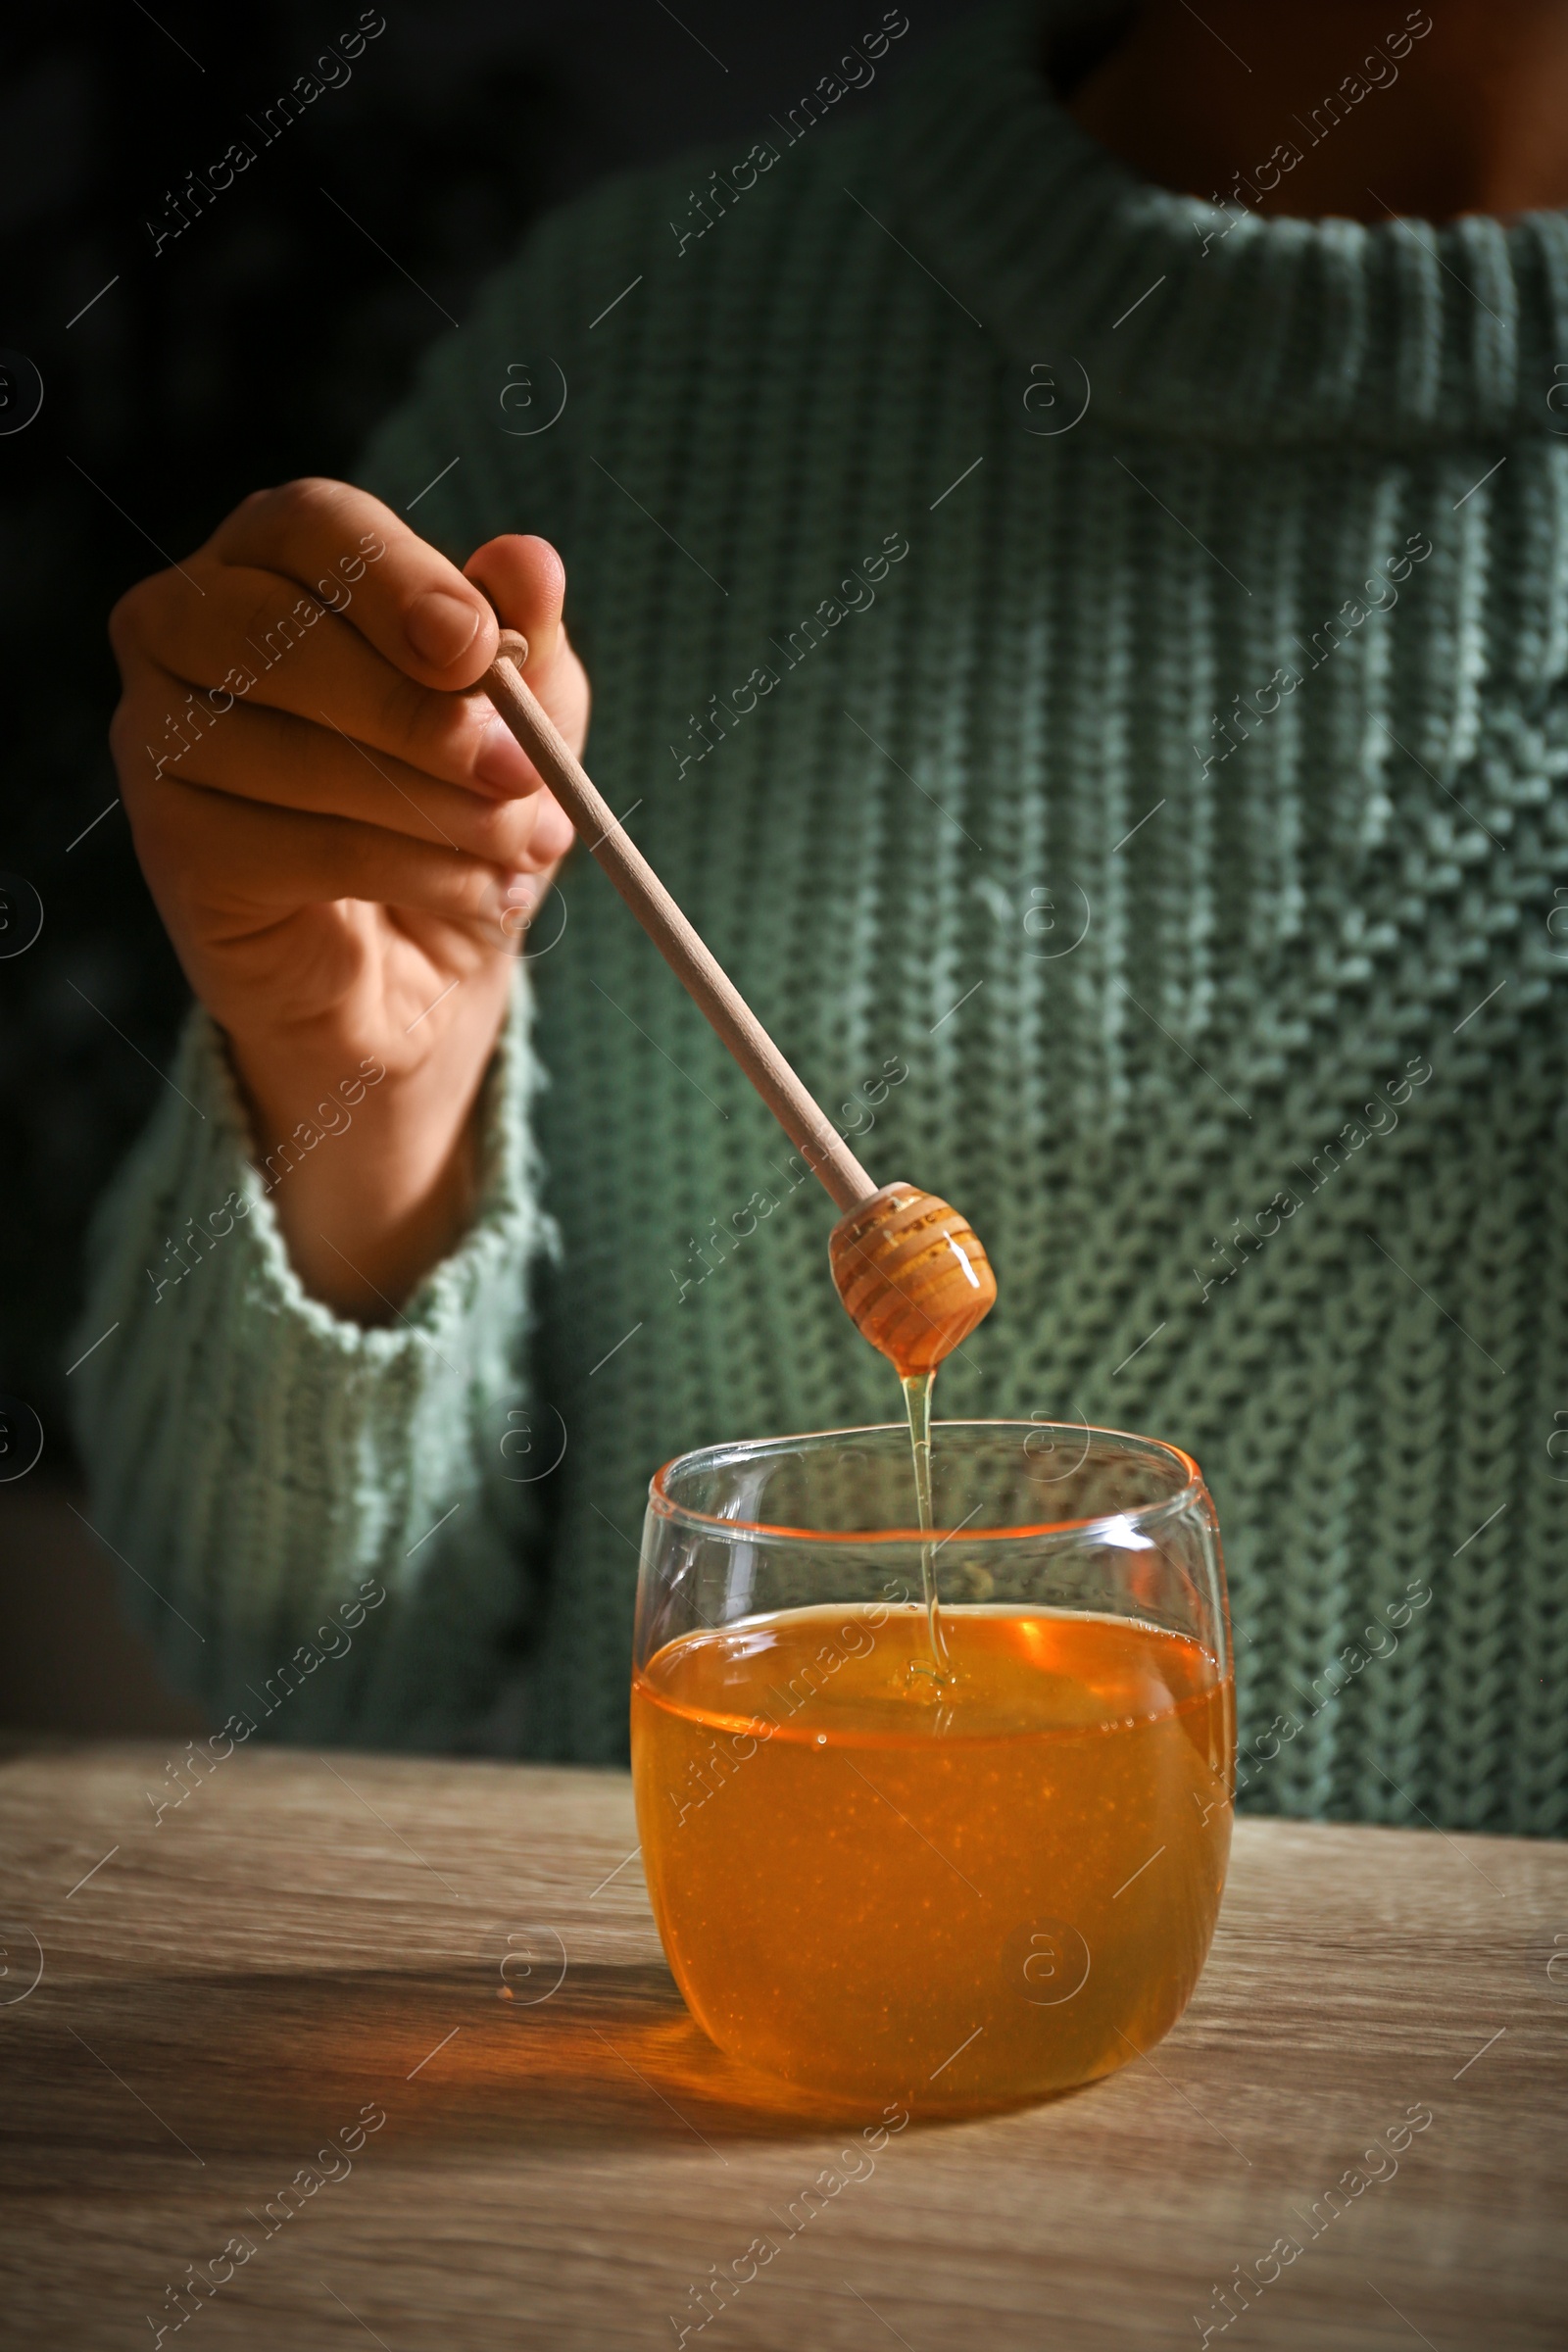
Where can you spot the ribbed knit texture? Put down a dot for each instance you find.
(1137, 988)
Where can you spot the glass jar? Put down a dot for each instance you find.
(955, 1875)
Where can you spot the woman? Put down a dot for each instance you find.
(1090, 659)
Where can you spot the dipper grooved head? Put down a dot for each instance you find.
(912, 1276)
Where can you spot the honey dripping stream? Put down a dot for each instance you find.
(914, 1281)
(917, 1386)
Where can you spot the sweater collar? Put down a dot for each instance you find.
(1201, 321)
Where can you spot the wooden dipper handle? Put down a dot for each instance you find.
(699, 971)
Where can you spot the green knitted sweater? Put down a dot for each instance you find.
(1092, 665)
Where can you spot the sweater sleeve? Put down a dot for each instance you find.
(328, 1530)
(323, 1528)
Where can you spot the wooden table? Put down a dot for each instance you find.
(231, 1992)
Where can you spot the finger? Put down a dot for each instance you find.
(290, 762)
(412, 606)
(526, 581)
(253, 639)
(222, 867)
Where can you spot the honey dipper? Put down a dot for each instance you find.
(908, 1268)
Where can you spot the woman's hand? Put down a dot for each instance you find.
(346, 847)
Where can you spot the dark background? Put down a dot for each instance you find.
(263, 342)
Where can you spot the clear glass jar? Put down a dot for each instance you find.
(955, 1879)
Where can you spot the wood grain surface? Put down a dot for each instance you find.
(466, 1950)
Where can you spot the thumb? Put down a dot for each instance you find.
(526, 580)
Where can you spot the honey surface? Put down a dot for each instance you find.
(984, 1892)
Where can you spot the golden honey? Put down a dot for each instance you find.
(958, 1893)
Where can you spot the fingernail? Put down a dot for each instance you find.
(440, 627)
(501, 761)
